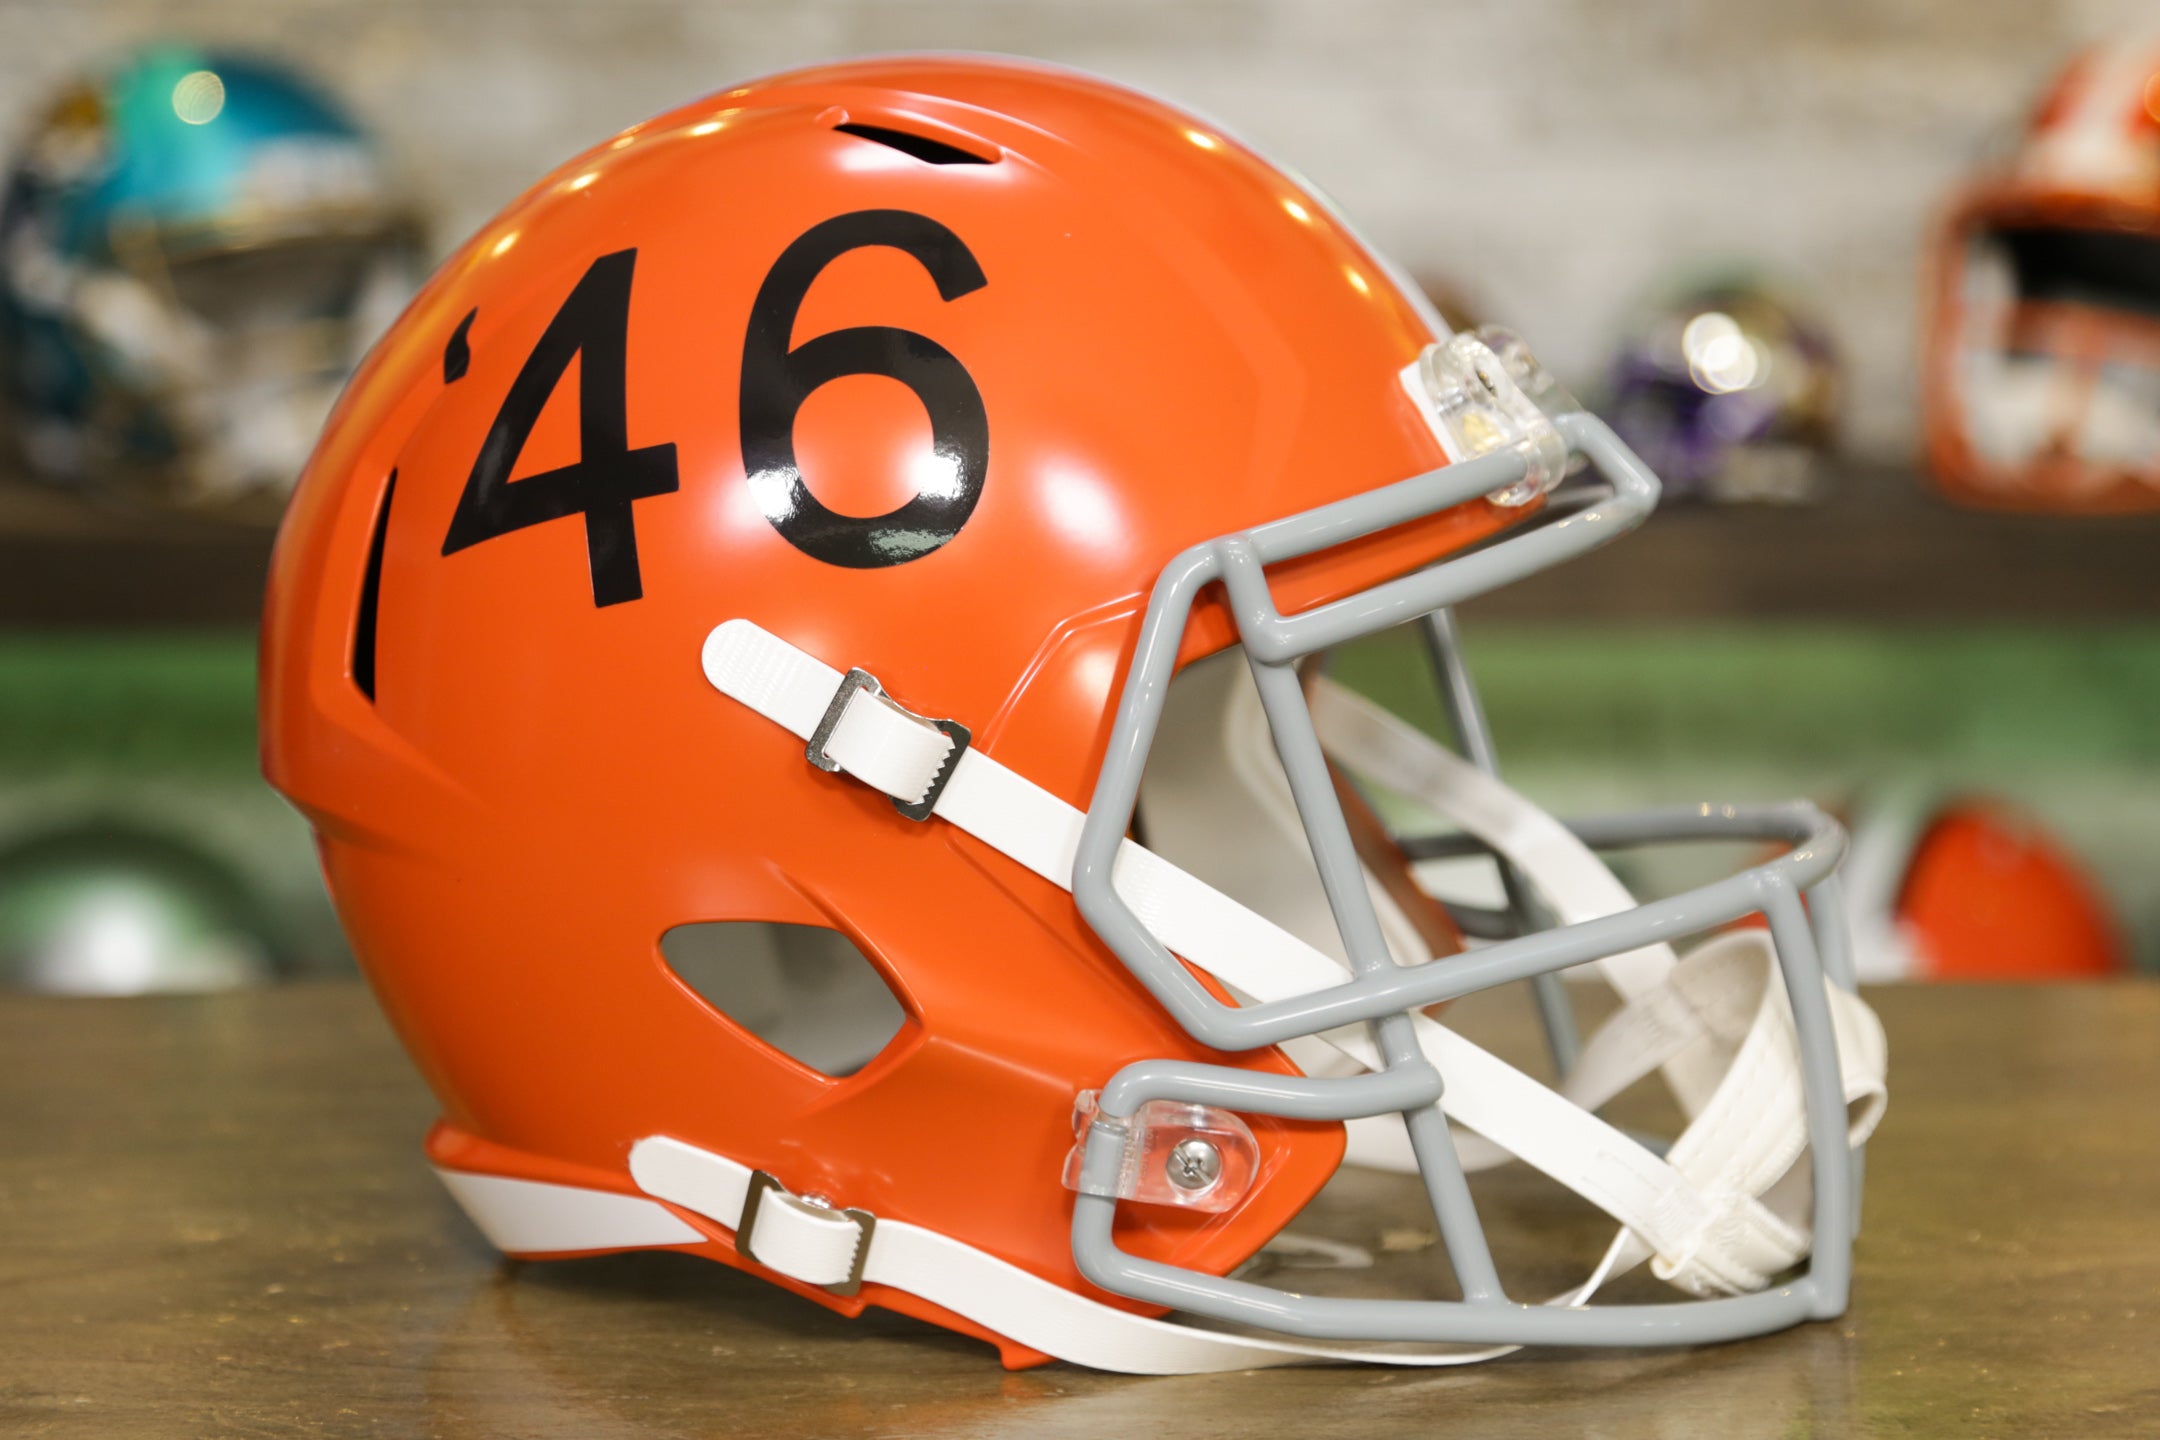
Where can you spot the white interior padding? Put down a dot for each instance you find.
(1216, 803)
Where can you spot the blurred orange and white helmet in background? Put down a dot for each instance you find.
(2041, 357)
(1967, 888)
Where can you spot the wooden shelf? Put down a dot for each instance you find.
(1880, 549)
(66, 561)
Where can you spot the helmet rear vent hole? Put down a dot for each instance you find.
(922, 147)
(805, 990)
(363, 652)
(457, 351)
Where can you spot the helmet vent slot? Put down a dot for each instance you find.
(457, 351)
(805, 990)
(922, 147)
(363, 650)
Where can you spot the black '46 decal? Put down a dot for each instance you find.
(608, 477)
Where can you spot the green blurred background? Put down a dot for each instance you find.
(153, 731)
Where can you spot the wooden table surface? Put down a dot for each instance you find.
(214, 1221)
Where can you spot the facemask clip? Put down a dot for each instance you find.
(1484, 392)
(1195, 1157)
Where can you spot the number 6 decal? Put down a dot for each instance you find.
(777, 380)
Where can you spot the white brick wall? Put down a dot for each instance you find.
(1552, 156)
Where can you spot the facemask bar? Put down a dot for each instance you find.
(1381, 992)
(1466, 715)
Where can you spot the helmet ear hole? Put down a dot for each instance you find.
(804, 990)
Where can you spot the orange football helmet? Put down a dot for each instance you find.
(940, 368)
(2041, 360)
(1966, 888)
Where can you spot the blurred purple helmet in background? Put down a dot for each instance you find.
(1730, 391)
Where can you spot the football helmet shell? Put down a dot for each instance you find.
(1963, 887)
(1731, 391)
(978, 376)
(195, 249)
(2041, 347)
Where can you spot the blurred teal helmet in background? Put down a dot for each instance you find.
(195, 250)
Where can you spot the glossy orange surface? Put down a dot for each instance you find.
(1990, 897)
(1170, 340)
